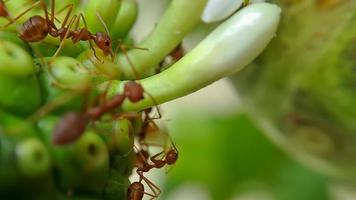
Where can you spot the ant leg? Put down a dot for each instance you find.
(156, 106)
(22, 14)
(154, 188)
(52, 10)
(70, 9)
(101, 98)
(123, 49)
(139, 152)
(65, 36)
(90, 43)
(119, 42)
(153, 158)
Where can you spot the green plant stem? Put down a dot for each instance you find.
(179, 19)
(229, 48)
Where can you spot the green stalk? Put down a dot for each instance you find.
(229, 48)
(125, 19)
(179, 19)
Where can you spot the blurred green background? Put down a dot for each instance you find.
(229, 157)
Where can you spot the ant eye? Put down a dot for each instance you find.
(107, 42)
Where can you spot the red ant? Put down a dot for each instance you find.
(136, 189)
(73, 124)
(37, 28)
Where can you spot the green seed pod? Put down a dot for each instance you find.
(125, 19)
(123, 163)
(32, 158)
(15, 127)
(15, 61)
(18, 141)
(90, 152)
(69, 73)
(12, 37)
(107, 9)
(16, 79)
(116, 187)
(9, 175)
(13, 94)
(65, 81)
(118, 135)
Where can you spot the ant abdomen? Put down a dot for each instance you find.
(70, 127)
(35, 29)
(135, 191)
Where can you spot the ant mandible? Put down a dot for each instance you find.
(73, 124)
(36, 28)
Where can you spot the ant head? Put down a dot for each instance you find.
(103, 41)
(171, 156)
(134, 91)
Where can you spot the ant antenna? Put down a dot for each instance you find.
(119, 43)
(102, 22)
(123, 49)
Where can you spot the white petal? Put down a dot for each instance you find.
(217, 10)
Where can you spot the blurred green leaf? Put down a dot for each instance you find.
(225, 153)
